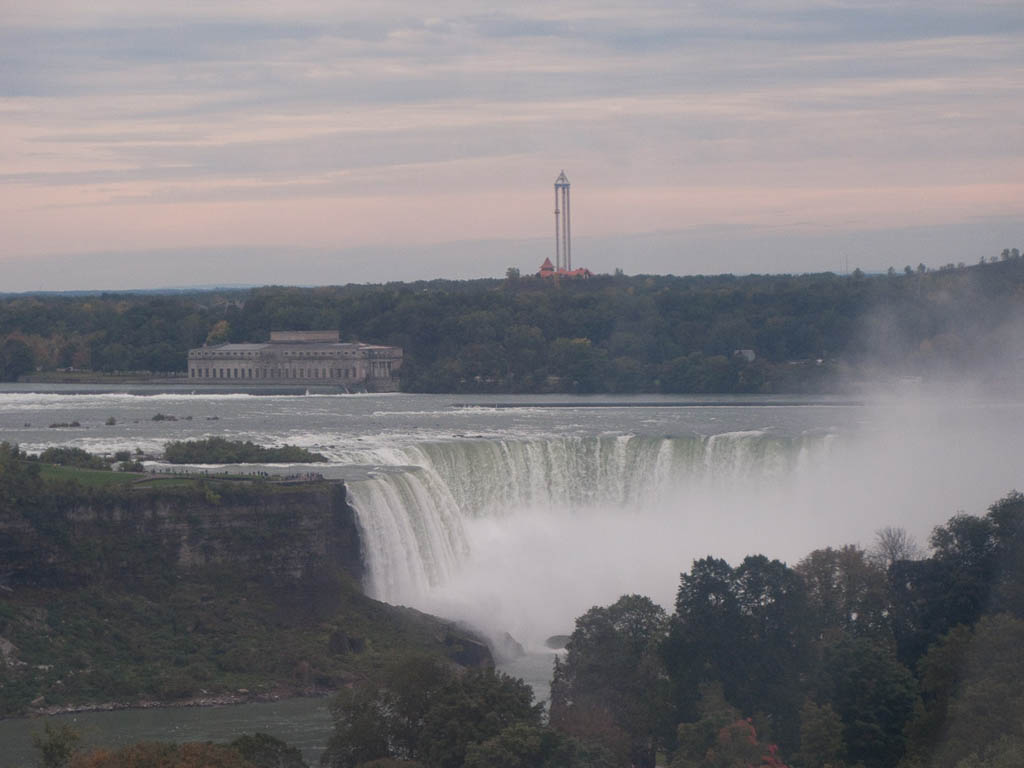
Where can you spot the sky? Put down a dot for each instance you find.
(148, 144)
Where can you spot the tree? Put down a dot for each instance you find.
(476, 706)
(1005, 753)
(56, 745)
(976, 567)
(970, 684)
(163, 755)
(527, 746)
(1007, 517)
(424, 710)
(821, 737)
(847, 593)
(874, 696)
(747, 628)
(613, 666)
(892, 545)
(694, 739)
(266, 751)
(15, 359)
(579, 362)
(221, 331)
(512, 274)
(737, 746)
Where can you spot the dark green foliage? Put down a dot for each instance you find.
(694, 739)
(847, 593)
(1004, 753)
(972, 696)
(56, 745)
(1007, 519)
(265, 751)
(15, 359)
(529, 746)
(476, 706)
(156, 754)
(873, 694)
(21, 487)
(424, 710)
(608, 334)
(821, 737)
(216, 635)
(712, 743)
(736, 745)
(148, 594)
(73, 457)
(809, 656)
(748, 629)
(977, 567)
(613, 671)
(218, 450)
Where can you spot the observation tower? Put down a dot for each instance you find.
(563, 234)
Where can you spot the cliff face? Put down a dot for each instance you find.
(190, 590)
(263, 532)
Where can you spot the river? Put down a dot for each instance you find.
(517, 514)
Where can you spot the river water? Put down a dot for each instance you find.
(517, 514)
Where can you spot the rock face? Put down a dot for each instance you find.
(186, 593)
(262, 532)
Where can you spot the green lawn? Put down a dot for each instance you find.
(93, 478)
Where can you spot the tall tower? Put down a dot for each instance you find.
(563, 236)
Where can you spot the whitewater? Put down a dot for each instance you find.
(518, 519)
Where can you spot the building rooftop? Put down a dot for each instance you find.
(239, 347)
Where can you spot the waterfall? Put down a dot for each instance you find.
(441, 520)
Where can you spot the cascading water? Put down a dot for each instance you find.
(522, 535)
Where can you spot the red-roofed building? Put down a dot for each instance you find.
(547, 269)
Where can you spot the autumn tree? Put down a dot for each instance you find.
(847, 593)
(746, 627)
(613, 675)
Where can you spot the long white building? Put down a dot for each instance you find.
(308, 357)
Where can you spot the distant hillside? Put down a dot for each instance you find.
(757, 333)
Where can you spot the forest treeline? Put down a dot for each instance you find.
(607, 334)
(219, 450)
(850, 658)
(863, 658)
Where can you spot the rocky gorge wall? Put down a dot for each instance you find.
(267, 532)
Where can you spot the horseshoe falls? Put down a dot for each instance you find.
(519, 519)
(522, 536)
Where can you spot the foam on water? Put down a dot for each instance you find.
(521, 519)
(522, 536)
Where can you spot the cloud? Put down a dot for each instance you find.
(137, 111)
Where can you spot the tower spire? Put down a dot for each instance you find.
(563, 231)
